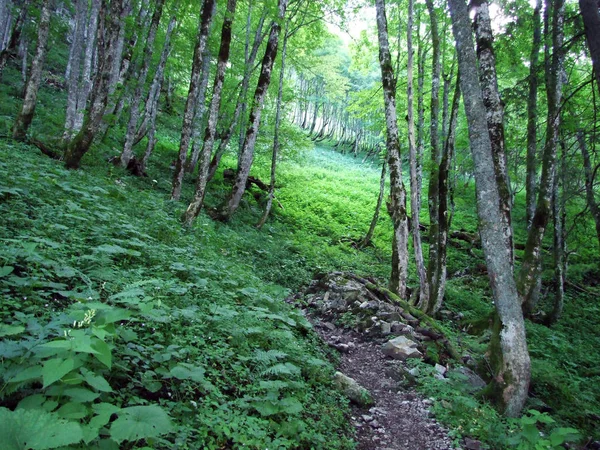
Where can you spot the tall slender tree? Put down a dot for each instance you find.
(511, 362)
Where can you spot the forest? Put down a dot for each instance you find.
(296, 224)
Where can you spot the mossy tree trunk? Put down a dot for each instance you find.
(397, 205)
(510, 356)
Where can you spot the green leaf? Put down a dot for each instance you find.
(81, 395)
(72, 410)
(98, 382)
(10, 330)
(6, 270)
(36, 430)
(55, 369)
(140, 422)
(102, 352)
(29, 374)
(184, 371)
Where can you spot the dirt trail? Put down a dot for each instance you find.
(400, 418)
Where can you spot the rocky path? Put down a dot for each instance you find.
(399, 418)
(375, 336)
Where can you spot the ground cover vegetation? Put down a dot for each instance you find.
(172, 171)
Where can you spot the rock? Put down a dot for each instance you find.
(390, 316)
(351, 389)
(472, 444)
(367, 418)
(329, 326)
(415, 372)
(342, 348)
(475, 382)
(440, 369)
(401, 348)
(386, 328)
(401, 328)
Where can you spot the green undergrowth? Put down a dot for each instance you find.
(120, 329)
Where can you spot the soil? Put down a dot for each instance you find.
(400, 418)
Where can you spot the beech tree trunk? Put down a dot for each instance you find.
(15, 36)
(276, 142)
(435, 269)
(558, 218)
(247, 153)
(398, 192)
(109, 27)
(529, 275)
(25, 116)
(211, 129)
(591, 24)
(369, 236)
(493, 105)
(415, 178)
(510, 358)
(206, 16)
(134, 113)
(589, 182)
(532, 115)
(149, 123)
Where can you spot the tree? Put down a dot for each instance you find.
(109, 28)
(35, 75)
(511, 364)
(247, 152)
(211, 129)
(591, 23)
(398, 192)
(206, 16)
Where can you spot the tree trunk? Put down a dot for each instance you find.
(15, 36)
(529, 275)
(415, 178)
(591, 24)
(398, 191)
(589, 182)
(154, 95)
(85, 85)
(558, 215)
(211, 129)
(369, 236)
(530, 182)
(434, 267)
(493, 105)
(247, 153)
(511, 362)
(276, 143)
(107, 35)
(74, 66)
(134, 113)
(206, 16)
(25, 116)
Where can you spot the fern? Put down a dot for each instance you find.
(284, 369)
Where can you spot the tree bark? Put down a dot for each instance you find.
(134, 113)
(15, 36)
(558, 216)
(495, 111)
(276, 142)
(247, 153)
(398, 192)
(415, 177)
(206, 16)
(211, 129)
(589, 182)
(531, 182)
(154, 95)
(109, 27)
(32, 86)
(511, 362)
(528, 278)
(369, 236)
(591, 24)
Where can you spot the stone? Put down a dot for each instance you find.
(440, 369)
(475, 382)
(401, 348)
(472, 444)
(342, 348)
(401, 328)
(390, 316)
(415, 372)
(329, 326)
(386, 328)
(351, 389)
(367, 418)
